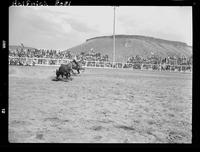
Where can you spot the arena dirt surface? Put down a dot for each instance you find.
(99, 106)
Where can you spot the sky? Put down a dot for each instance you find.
(62, 27)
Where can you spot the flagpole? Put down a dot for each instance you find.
(114, 38)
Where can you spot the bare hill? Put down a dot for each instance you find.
(132, 45)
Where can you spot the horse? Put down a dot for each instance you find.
(77, 66)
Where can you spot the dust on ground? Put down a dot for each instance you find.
(99, 106)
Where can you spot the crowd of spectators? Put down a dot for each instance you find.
(154, 62)
(17, 56)
(90, 56)
(153, 59)
(40, 53)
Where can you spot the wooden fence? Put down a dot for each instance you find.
(99, 64)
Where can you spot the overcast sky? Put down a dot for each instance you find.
(62, 27)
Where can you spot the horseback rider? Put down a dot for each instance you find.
(77, 67)
(74, 60)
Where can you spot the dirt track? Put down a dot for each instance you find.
(99, 106)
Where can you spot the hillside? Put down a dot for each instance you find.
(132, 45)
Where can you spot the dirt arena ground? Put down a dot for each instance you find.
(99, 106)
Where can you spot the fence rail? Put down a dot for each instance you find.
(99, 64)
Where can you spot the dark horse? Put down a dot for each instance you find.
(77, 66)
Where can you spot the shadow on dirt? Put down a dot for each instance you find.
(62, 79)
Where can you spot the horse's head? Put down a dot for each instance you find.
(76, 64)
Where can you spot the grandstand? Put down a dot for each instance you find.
(92, 63)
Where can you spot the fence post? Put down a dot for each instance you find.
(160, 67)
(26, 60)
(86, 63)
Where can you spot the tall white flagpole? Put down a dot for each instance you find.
(114, 37)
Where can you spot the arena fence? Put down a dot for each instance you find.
(26, 61)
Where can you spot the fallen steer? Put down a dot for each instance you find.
(64, 70)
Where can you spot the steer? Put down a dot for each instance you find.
(64, 70)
